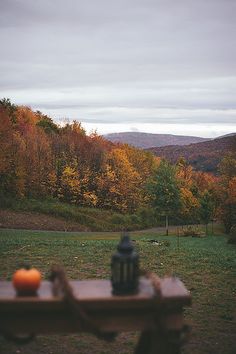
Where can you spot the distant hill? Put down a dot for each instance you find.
(147, 140)
(226, 135)
(204, 156)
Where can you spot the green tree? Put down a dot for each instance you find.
(206, 208)
(227, 167)
(46, 123)
(164, 191)
(10, 108)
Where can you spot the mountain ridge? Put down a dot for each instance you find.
(203, 156)
(148, 140)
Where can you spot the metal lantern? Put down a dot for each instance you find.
(125, 268)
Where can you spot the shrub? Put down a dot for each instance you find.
(192, 231)
(232, 235)
(147, 217)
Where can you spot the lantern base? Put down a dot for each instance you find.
(122, 289)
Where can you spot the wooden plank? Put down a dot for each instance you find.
(173, 292)
(100, 290)
(46, 313)
(96, 293)
(90, 293)
(83, 289)
(64, 322)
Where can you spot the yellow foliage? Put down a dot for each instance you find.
(119, 185)
(184, 175)
(189, 201)
(70, 185)
(90, 199)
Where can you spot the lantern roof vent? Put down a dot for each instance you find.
(125, 245)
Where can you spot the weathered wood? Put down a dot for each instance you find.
(173, 291)
(46, 313)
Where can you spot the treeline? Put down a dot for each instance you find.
(39, 159)
(189, 197)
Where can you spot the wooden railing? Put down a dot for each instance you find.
(158, 315)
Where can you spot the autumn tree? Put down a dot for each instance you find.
(164, 191)
(6, 138)
(12, 146)
(143, 161)
(70, 188)
(119, 182)
(40, 159)
(227, 191)
(189, 199)
(9, 108)
(36, 160)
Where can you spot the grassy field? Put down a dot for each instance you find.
(207, 266)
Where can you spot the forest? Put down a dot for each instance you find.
(203, 156)
(42, 160)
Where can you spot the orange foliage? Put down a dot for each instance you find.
(205, 181)
(47, 160)
(6, 136)
(232, 190)
(119, 182)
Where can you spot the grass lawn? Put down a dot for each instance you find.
(207, 266)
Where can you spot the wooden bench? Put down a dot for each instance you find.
(159, 316)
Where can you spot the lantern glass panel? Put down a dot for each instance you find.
(125, 268)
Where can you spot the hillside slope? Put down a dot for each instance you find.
(54, 215)
(147, 140)
(204, 156)
(29, 220)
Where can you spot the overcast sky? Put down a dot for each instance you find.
(160, 66)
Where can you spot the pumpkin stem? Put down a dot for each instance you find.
(25, 265)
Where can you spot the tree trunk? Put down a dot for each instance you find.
(167, 225)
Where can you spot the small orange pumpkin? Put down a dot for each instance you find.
(26, 281)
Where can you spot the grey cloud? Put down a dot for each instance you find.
(124, 115)
(216, 94)
(133, 53)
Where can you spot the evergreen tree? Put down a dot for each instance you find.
(9, 107)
